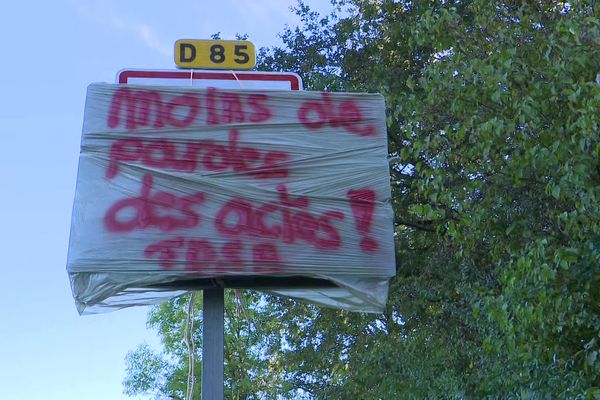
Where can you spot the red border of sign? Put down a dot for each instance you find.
(294, 80)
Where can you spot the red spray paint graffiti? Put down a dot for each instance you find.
(137, 109)
(248, 230)
(286, 220)
(316, 115)
(205, 256)
(162, 210)
(362, 202)
(193, 155)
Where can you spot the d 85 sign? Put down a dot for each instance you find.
(215, 54)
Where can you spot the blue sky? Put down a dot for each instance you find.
(51, 52)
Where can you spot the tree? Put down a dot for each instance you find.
(493, 117)
(250, 372)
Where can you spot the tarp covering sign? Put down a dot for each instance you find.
(181, 185)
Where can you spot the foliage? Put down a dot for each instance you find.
(248, 370)
(493, 122)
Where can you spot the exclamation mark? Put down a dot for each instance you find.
(362, 202)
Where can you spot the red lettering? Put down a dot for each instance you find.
(274, 166)
(145, 211)
(121, 98)
(305, 226)
(312, 115)
(200, 255)
(362, 203)
(123, 150)
(267, 255)
(332, 239)
(317, 114)
(159, 154)
(232, 252)
(217, 158)
(176, 156)
(259, 111)
(284, 220)
(141, 107)
(261, 214)
(351, 118)
(166, 250)
(188, 101)
(288, 203)
(234, 218)
(138, 106)
(189, 160)
(246, 157)
(137, 109)
(232, 108)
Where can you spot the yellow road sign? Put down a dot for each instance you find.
(215, 54)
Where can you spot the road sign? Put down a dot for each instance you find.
(244, 80)
(257, 186)
(179, 185)
(215, 54)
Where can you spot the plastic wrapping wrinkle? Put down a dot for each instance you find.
(181, 185)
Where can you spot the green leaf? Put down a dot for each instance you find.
(556, 191)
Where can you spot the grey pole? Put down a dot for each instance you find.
(212, 344)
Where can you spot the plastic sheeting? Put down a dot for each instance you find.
(282, 191)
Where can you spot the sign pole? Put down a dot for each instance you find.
(213, 343)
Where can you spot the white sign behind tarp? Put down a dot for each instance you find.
(181, 183)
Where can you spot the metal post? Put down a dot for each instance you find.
(212, 344)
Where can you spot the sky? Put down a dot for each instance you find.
(52, 50)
